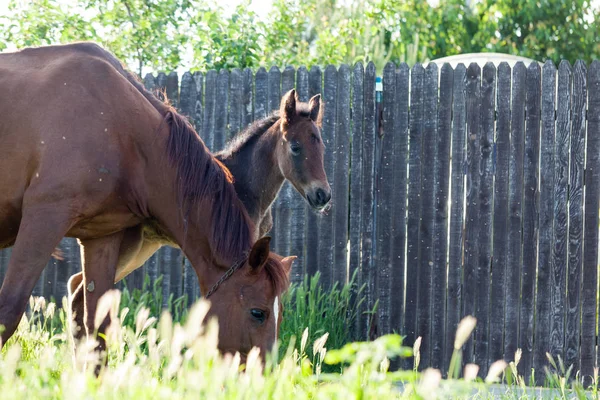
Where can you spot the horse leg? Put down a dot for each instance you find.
(100, 257)
(76, 300)
(40, 231)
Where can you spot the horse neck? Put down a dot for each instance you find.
(258, 178)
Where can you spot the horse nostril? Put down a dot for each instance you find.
(322, 197)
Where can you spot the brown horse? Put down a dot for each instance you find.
(285, 145)
(87, 152)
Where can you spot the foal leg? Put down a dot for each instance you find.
(100, 257)
(40, 231)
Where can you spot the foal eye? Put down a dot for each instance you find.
(295, 148)
(258, 315)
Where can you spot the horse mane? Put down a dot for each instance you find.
(277, 275)
(199, 174)
(256, 130)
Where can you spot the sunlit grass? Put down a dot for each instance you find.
(156, 354)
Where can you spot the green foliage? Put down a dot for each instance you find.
(201, 34)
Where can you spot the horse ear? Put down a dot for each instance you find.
(287, 264)
(314, 106)
(259, 254)
(287, 109)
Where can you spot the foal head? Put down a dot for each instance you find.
(248, 304)
(301, 151)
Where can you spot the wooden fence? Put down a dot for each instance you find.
(467, 191)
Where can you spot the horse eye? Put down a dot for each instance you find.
(295, 148)
(258, 315)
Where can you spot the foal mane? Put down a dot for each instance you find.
(256, 130)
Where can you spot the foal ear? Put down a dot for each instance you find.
(314, 105)
(287, 109)
(259, 254)
(287, 264)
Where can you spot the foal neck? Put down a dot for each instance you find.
(257, 175)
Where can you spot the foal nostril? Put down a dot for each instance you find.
(323, 197)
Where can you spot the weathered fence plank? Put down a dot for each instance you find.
(515, 214)
(356, 192)
(236, 98)
(472, 223)
(367, 276)
(500, 223)
(530, 210)
(561, 181)
(261, 94)
(576, 171)
(385, 201)
(221, 104)
(457, 190)
(440, 235)
(328, 132)
(414, 203)
(247, 97)
(589, 318)
(199, 106)
(340, 176)
(486, 179)
(210, 98)
(400, 188)
(546, 221)
(172, 89)
(298, 208)
(315, 78)
(428, 152)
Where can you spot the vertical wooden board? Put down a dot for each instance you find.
(199, 102)
(558, 278)
(152, 268)
(150, 83)
(312, 233)
(472, 223)
(221, 111)
(589, 319)
(486, 187)
(261, 94)
(457, 192)
(49, 279)
(400, 187)
(515, 213)
(190, 282)
(172, 89)
(576, 171)
(546, 221)
(440, 234)
(274, 90)
(426, 230)
(284, 200)
(341, 177)
(247, 98)
(414, 203)
(366, 276)
(176, 284)
(355, 223)
(297, 236)
(530, 211)
(302, 84)
(328, 132)
(385, 201)
(236, 98)
(187, 97)
(161, 85)
(166, 264)
(210, 96)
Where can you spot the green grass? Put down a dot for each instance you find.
(156, 354)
